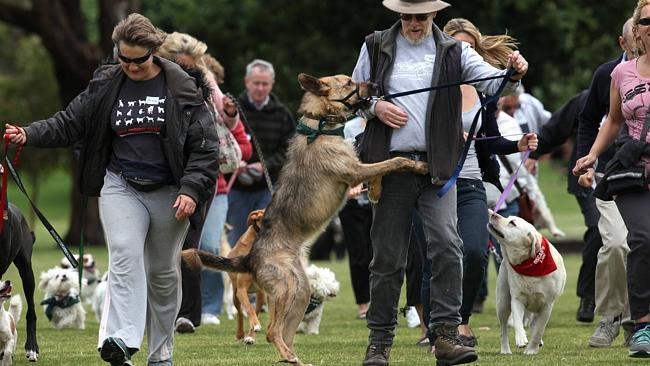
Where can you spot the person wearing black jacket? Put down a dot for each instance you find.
(150, 152)
(563, 125)
(272, 125)
(611, 274)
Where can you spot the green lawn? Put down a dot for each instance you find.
(343, 338)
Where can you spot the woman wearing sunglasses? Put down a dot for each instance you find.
(629, 103)
(150, 154)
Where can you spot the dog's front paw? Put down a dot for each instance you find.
(374, 189)
(32, 356)
(249, 340)
(421, 167)
(530, 350)
(257, 328)
(521, 340)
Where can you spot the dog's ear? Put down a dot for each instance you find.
(535, 243)
(312, 84)
(45, 278)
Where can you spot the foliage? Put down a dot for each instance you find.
(563, 40)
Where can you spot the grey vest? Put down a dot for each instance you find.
(443, 126)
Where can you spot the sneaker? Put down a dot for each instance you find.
(209, 319)
(167, 362)
(607, 330)
(449, 350)
(184, 325)
(628, 332)
(377, 355)
(412, 317)
(585, 313)
(640, 346)
(115, 352)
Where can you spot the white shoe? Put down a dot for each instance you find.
(412, 318)
(184, 325)
(209, 319)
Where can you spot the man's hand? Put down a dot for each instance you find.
(355, 191)
(528, 142)
(390, 114)
(184, 206)
(587, 179)
(519, 64)
(16, 134)
(531, 166)
(583, 165)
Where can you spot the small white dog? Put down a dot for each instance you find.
(324, 286)
(531, 277)
(8, 321)
(90, 274)
(97, 302)
(61, 301)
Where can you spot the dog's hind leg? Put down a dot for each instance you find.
(537, 330)
(239, 333)
(24, 264)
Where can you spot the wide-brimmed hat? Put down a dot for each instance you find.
(415, 6)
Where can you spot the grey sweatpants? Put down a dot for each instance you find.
(144, 240)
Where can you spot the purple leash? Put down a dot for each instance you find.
(511, 182)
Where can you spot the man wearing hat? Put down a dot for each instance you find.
(413, 54)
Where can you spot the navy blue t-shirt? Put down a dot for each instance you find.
(138, 118)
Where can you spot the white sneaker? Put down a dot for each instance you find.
(209, 319)
(184, 325)
(412, 318)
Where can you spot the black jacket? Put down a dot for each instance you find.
(562, 125)
(189, 140)
(596, 106)
(273, 126)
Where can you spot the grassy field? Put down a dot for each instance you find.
(343, 338)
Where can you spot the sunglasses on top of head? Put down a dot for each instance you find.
(644, 21)
(136, 60)
(418, 17)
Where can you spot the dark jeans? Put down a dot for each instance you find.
(402, 192)
(472, 225)
(633, 208)
(414, 272)
(356, 221)
(593, 242)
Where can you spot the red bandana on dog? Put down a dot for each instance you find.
(541, 265)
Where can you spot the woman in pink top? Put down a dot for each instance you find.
(629, 103)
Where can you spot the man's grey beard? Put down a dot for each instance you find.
(417, 41)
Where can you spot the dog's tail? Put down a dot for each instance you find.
(15, 307)
(197, 259)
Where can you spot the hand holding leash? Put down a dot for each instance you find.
(15, 134)
(527, 142)
(517, 62)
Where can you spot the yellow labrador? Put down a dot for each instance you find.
(531, 277)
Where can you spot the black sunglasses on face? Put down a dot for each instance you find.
(644, 21)
(136, 60)
(418, 17)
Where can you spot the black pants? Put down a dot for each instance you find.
(593, 242)
(413, 271)
(191, 280)
(356, 221)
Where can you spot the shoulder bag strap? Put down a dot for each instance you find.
(646, 126)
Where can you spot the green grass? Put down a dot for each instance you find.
(343, 338)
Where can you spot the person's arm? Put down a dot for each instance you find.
(607, 133)
(474, 67)
(594, 110)
(500, 145)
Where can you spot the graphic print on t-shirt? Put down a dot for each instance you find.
(140, 107)
(415, 70)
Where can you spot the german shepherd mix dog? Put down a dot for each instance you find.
(312, 188)
(16, 244)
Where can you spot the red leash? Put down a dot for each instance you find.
(5, 173)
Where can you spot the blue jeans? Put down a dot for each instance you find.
(211, 281)
(240, 205)
(402, 193)
(472, 225)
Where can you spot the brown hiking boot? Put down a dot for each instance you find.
(449, 349)
(377, 355)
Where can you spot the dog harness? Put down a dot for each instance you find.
(52, 302)
(313, 304)
(541, 265)
(312, 134)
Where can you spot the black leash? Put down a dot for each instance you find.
(258, 147)
(64, 248)
(443, 86)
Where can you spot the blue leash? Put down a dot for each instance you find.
(472, 130)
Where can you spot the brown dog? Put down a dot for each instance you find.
(312, 188)
(244, 283)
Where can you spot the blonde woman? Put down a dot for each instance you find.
(191, 54)
(629, 104)
(479, 167)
